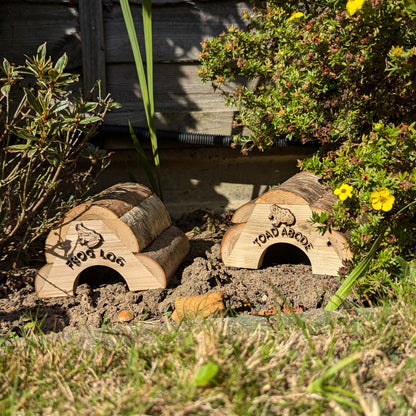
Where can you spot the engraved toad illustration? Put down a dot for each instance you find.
(281, 216)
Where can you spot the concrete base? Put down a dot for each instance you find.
(207, 177)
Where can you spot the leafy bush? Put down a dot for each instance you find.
(342, 74)
(44, 130)
(375, 179)
(310, 71)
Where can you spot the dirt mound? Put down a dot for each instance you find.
(99, 299)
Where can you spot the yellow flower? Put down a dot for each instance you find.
(382, 199)
(295, 15)
(396, 51)
(344, 192)
(354, 5)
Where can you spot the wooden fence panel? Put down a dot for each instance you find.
(178, 29)
(24, 25)
(182, 102)
(93, 35)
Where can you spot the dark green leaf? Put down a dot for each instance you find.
(59, 106)
(33, 101)
(5, 89)
(69, 120)
(54, 127)
(403, 266)
(53, 74)
(23, 134)
(6, 66)
(41, 52)
(31, 151)
(18, 148)
(90, 106)
(143, 159)
(90, 120)
(87, 151)
(66, 79)
(28, 70)
(61, 63)
(54, 159)
(346, 288)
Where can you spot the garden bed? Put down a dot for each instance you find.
(98, 302)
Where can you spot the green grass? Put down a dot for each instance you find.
(363, 364)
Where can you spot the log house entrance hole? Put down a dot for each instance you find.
(96, 276)
(282, 253)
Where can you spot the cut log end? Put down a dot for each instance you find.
(229, 240)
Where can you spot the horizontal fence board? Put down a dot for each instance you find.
(206, 122)
(178, 29)
(181, 100)
(24, 26)
(174, 85)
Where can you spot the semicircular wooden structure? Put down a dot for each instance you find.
(126, 228)
(282, 216)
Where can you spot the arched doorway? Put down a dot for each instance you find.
(282, 253)
(96, 276)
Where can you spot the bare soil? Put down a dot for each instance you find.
(101, 296)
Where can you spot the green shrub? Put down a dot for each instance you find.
(44, 130)
(310, 71)
(384, 160)
(342, 74)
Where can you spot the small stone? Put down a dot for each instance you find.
(264, 298)
(125, 316)
(83, 289)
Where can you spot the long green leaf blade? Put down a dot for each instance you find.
(146, 84)
(90, 120)
(143, 159)
(148, 40)
(346, 287)
(23, 134)
(131, 31)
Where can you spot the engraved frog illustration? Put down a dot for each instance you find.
(88, 237)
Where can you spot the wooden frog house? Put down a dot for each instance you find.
(125, 228)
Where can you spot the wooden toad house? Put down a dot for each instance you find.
(126, 228)
(281, 216)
